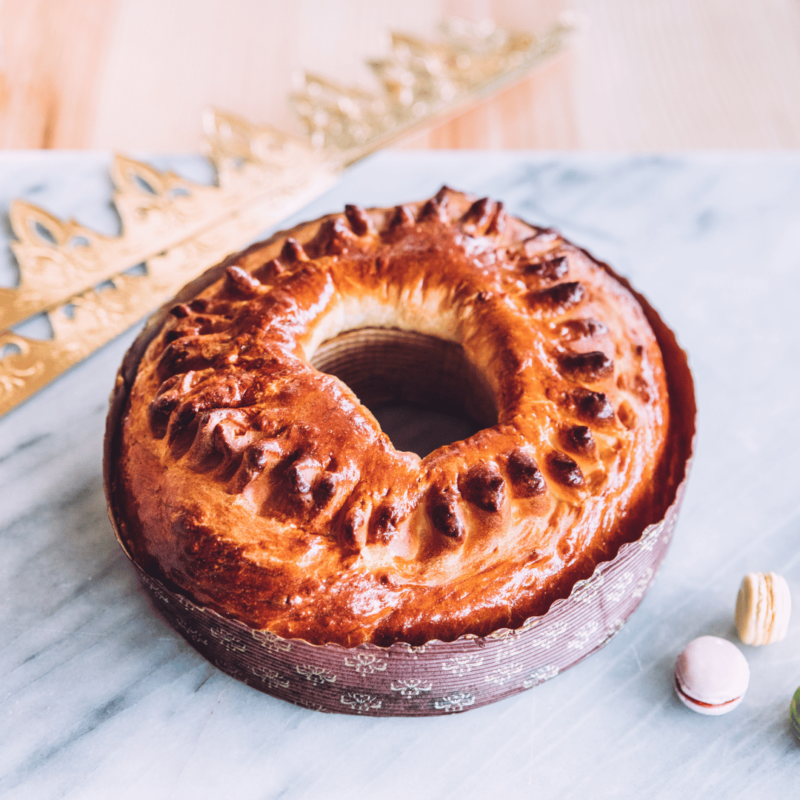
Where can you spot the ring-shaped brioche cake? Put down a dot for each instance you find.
(255, 481)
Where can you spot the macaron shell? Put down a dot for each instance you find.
(782, 608)
(705, 708)
(747, 608)
(711, 674)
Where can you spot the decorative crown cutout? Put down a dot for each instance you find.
(421, 80)
(93, 287)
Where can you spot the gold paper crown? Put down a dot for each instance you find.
(93, 287)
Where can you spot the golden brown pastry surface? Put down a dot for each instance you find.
(263, 488)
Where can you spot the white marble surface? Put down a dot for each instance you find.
(99, 698)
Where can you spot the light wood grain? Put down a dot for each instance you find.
(52, 53)
(666, 75)
(644, 75)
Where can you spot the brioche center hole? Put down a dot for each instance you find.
(423, 390)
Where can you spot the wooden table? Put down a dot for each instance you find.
(643, 74)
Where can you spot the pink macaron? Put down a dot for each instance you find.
(711, 675)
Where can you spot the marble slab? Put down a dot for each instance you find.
(100, 699)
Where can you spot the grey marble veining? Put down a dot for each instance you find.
(99, 698)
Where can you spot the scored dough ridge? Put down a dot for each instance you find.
(263, 488)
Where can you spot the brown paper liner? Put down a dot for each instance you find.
(437, 677)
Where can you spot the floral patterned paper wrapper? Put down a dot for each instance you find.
(437, 677)
(434, 678)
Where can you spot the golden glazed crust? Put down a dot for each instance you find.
(262, 488)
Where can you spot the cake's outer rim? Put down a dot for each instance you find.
(184, 615)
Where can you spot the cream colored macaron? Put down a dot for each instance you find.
(763, 608)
